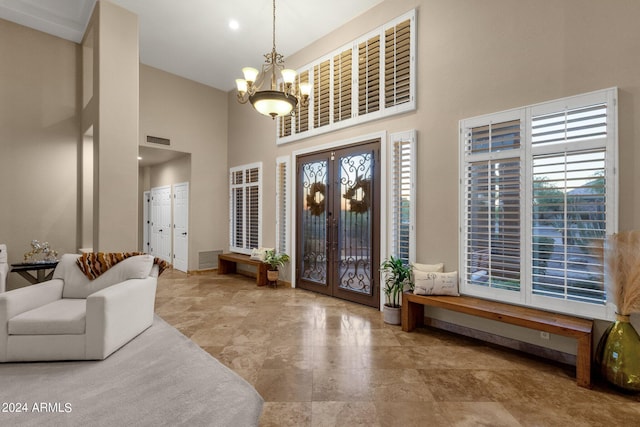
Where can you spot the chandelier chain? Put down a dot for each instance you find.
(274, 25)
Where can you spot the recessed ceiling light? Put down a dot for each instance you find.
(233, 24)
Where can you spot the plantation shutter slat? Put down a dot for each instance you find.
(494, 137)
(577, 124)
(402, 222)
(369, 76)
(342, 86)
(322, 91)
(397, 64)
(281, 207)
(302, 116)
(285, 122)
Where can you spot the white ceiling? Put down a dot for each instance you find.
(192, 38)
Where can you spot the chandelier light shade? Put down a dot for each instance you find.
(272, 101)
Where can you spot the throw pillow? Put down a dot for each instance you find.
(431, 268)
(434, 283)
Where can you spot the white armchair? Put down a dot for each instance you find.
(4, 267)
(73, 318)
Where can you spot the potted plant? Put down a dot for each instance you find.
(274, 261)
(397, 276)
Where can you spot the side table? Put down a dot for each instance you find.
(23, 269)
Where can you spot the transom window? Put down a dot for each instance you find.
(370, 78)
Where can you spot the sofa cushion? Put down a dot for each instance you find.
(77, 285)
(61, 317)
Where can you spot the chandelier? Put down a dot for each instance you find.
(272, 101)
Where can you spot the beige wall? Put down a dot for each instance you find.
(38, 141)
(194, 117)
(169, 173)
(476, 58)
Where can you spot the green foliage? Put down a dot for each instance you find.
(275, 261)
(398, 274)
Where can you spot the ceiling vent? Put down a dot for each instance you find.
(158, 140)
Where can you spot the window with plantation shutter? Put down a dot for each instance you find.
(245, 208)
(537, 202)
(282, 205)
(342, 86)
(302, 113)
(402, 203)
(369, 75)
(397, 64)
(366, 79)
(321, 93)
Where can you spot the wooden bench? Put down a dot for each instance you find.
(568, 326)
(227, 264)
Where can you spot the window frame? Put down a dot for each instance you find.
(232, 208)
(526, 153)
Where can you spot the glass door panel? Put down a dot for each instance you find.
(314, 222)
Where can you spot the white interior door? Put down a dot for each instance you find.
(181, 226)
(146, 222)
(161, 222)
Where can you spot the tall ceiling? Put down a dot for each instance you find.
(192, 38)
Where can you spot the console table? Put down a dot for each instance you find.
(40, 268)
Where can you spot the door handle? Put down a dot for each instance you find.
(184, 234)
(160, 231)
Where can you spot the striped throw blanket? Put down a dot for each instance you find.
(95, 263)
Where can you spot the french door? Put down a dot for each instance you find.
(338, 222)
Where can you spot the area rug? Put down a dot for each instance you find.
(161, 378)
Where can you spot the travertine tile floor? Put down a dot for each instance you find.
(320, 361)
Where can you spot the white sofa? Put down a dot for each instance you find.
(73, 318)
(4, 267)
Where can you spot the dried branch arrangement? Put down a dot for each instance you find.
(622, 258)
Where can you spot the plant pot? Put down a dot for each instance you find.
(272, 275)
(617, 355)
(391, 315)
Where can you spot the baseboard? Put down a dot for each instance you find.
(536, 350)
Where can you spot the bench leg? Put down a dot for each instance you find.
(261, 275)
(226, 267)
(412, 315)
(583, 361)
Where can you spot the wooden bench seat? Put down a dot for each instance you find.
(568, 326)
(227, 264)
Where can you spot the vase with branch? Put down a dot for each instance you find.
(619, 347)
